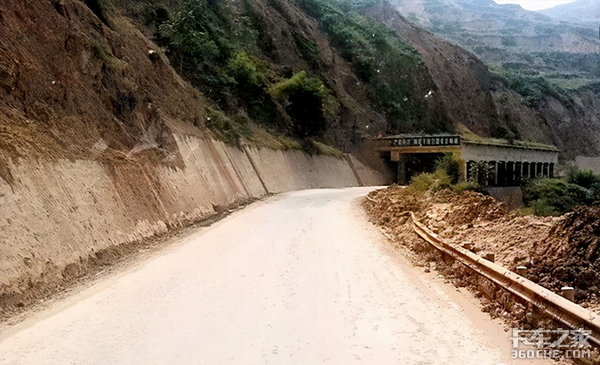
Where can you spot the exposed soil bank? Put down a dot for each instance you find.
(61, 218)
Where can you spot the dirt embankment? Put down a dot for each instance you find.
(568, 255)
(558, 251)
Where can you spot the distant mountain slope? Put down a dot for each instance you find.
(508, 35)
(585, 12)
(520, 107)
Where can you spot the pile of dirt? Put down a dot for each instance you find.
(488, 226)
(568, 255)
(449, 213)
(510, 239)
(467, 208)
(390, 210)
(480, 221)
(558, 251)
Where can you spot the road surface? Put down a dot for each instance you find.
(300, 278)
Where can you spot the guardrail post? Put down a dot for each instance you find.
(568, 293)
(490, 256)
(522, 270)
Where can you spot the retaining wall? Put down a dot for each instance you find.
(59, 213)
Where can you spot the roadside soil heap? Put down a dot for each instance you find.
(568, 255)
(558, 251)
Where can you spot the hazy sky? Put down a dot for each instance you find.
(534, 4)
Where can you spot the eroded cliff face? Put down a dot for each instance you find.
(74, 86)
(462, 80)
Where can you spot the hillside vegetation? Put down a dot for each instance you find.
(510, 37)
(335, 76)
(115, 76)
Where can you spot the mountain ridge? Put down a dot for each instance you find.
(584, 12)
(509, 36)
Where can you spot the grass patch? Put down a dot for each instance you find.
(226, 129)
(532, 88)
(263, 138)
(429, 182)
(324, 149)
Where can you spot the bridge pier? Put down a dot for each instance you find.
(401, 175)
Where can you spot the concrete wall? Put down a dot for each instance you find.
(485, 152)
(59, 213)
(293, 170)
(588, 163)
(512, 196)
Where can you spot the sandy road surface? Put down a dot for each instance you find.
(300, 278)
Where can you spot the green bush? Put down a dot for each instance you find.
(248, 71)
(544, 208)
(585, 178)
(594, 192)
(556, 196)
(434, 181)
(466, 185)
(197, 42)
(306, 100)
(479, 173)
(450, 165)
(251, 84)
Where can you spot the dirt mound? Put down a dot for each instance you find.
(466, 208)
(467, 218)
(451, 208)
(559, 251)
(568, 255)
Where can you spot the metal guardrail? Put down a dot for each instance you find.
(557, 307)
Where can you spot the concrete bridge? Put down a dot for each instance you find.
(509, 164)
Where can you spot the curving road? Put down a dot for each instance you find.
(300, 278)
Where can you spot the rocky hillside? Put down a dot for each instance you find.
(509, 106)
(584, 12)
(508, 36)
(106, 79)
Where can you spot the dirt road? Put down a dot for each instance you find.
(301, 278)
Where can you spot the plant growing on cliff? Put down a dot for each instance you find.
(251, 84)
(307, 101)
(194, 37)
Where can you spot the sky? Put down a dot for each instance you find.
(534, 4)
